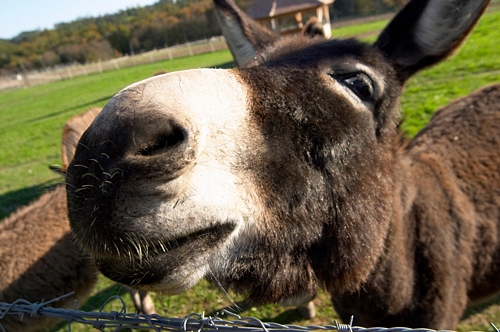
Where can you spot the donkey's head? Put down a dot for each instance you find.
(273, 178)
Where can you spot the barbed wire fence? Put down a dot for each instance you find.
(223, 321)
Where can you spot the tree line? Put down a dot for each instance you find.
(135, 30)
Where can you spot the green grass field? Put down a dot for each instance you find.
(31, 122)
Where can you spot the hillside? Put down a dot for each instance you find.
(135, 30)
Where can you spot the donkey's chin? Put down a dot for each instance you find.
(170, 267)
(153, 276)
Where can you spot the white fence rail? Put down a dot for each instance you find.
(30, 78)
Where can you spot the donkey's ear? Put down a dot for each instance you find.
(243, 35)
(313, 28)
(427, 31)
(72, 132)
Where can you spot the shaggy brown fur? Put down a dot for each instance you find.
(443, 250)
(287, 175)
(40, 261)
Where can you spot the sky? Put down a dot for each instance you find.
(17, 16)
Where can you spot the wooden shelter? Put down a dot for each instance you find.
(289, 16)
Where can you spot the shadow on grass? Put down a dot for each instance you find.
(11, 201)
(480, 307)
(68, 109)
(289, 316)
(96, 301)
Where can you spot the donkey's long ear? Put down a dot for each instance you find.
(243, 35)
(313, 28)
(72, 132)
(427, 31)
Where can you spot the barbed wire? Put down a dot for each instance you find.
(121, 320)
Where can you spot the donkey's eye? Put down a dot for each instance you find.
(359, 83)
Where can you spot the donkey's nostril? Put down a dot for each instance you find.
(164, 142)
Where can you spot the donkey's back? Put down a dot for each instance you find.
(460, 148)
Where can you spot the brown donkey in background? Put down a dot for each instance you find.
(289, 174)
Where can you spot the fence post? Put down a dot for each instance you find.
(99, 67)
(69, 72)
(25, 73)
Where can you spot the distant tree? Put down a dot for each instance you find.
(25, 36)
(98, 50)
(119, 38)
(4, 59)
(81, 53)
(50, 58)
(7, 50)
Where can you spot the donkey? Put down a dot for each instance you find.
(288, 174)
(38, 257)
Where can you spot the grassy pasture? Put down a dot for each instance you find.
(31, 122)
